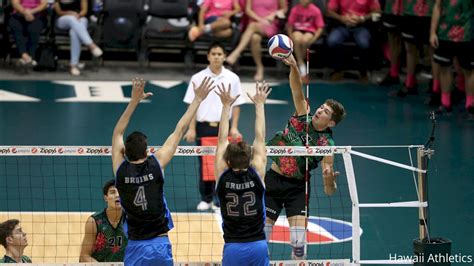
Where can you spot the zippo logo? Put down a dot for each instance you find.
(152, 150)
(321, 230)
(106, 150)
(198, 150)
(60, 150)
(34, 150)
(80, 150)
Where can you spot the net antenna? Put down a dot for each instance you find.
(306, 178)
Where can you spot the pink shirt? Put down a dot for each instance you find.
(30, 4)
(264, 8)
(306, 18)
(357, 7)
(217, 7)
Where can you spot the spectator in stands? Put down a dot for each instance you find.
(215, 19)
(352, 17)
(305, 25)
(14, 240)
(416, 24)
(104, 238)
(451, 36)
(72, 17)
(392, 24)
(263, 16)
(26, 23)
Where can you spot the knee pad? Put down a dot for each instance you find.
(298, 241)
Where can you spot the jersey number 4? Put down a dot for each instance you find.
(140, 198)
(248, 198)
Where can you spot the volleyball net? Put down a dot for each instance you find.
(53, 190)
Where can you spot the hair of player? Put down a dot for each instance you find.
(6, 230)
(135, 146)
(338, 110)
(238, 155)
(107, 185)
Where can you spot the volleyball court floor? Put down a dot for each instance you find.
(41, 113)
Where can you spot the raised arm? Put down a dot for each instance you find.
(329, 175)
(88, 243)
(259, 157)
(138, 94)
(222, 142)
(296, 85)
(168, 149)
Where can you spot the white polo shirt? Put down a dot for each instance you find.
(211, 108)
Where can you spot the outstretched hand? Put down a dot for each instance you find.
(290, 61)
(261, 93)
(201, 92)
(224, 94)
(138, 90)
(329, 177)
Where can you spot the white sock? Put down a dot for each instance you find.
(207, 28)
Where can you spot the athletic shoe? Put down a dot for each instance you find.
(434, 99)
(298, 254)
(444, 110)
(389, 81)
(204, 206)
(97, 52)
(470, 109)
(404, 91)
(75, 71)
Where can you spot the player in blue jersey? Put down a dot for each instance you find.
(240, 186)
(140, 180)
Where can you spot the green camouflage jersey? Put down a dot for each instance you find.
(455, 22)
(6, 259)
(295, 135)
(110, 242)
(418, 8)
(393, 7)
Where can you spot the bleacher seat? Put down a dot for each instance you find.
(166, 28)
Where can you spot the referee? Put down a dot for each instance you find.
(206, 121)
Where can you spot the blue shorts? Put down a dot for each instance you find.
(210, 19)
(155, 251)
(249, 253)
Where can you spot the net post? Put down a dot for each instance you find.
(421, 155)
(351, 182)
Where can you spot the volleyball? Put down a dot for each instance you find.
(280, 46)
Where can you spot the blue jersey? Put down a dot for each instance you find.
(141, 194)
(242, 205)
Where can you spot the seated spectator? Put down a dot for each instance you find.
(305, 25)
(15, 241)
(263, 16)
(215, 19)
(352, 17)
(72, 17)
(26, 23)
